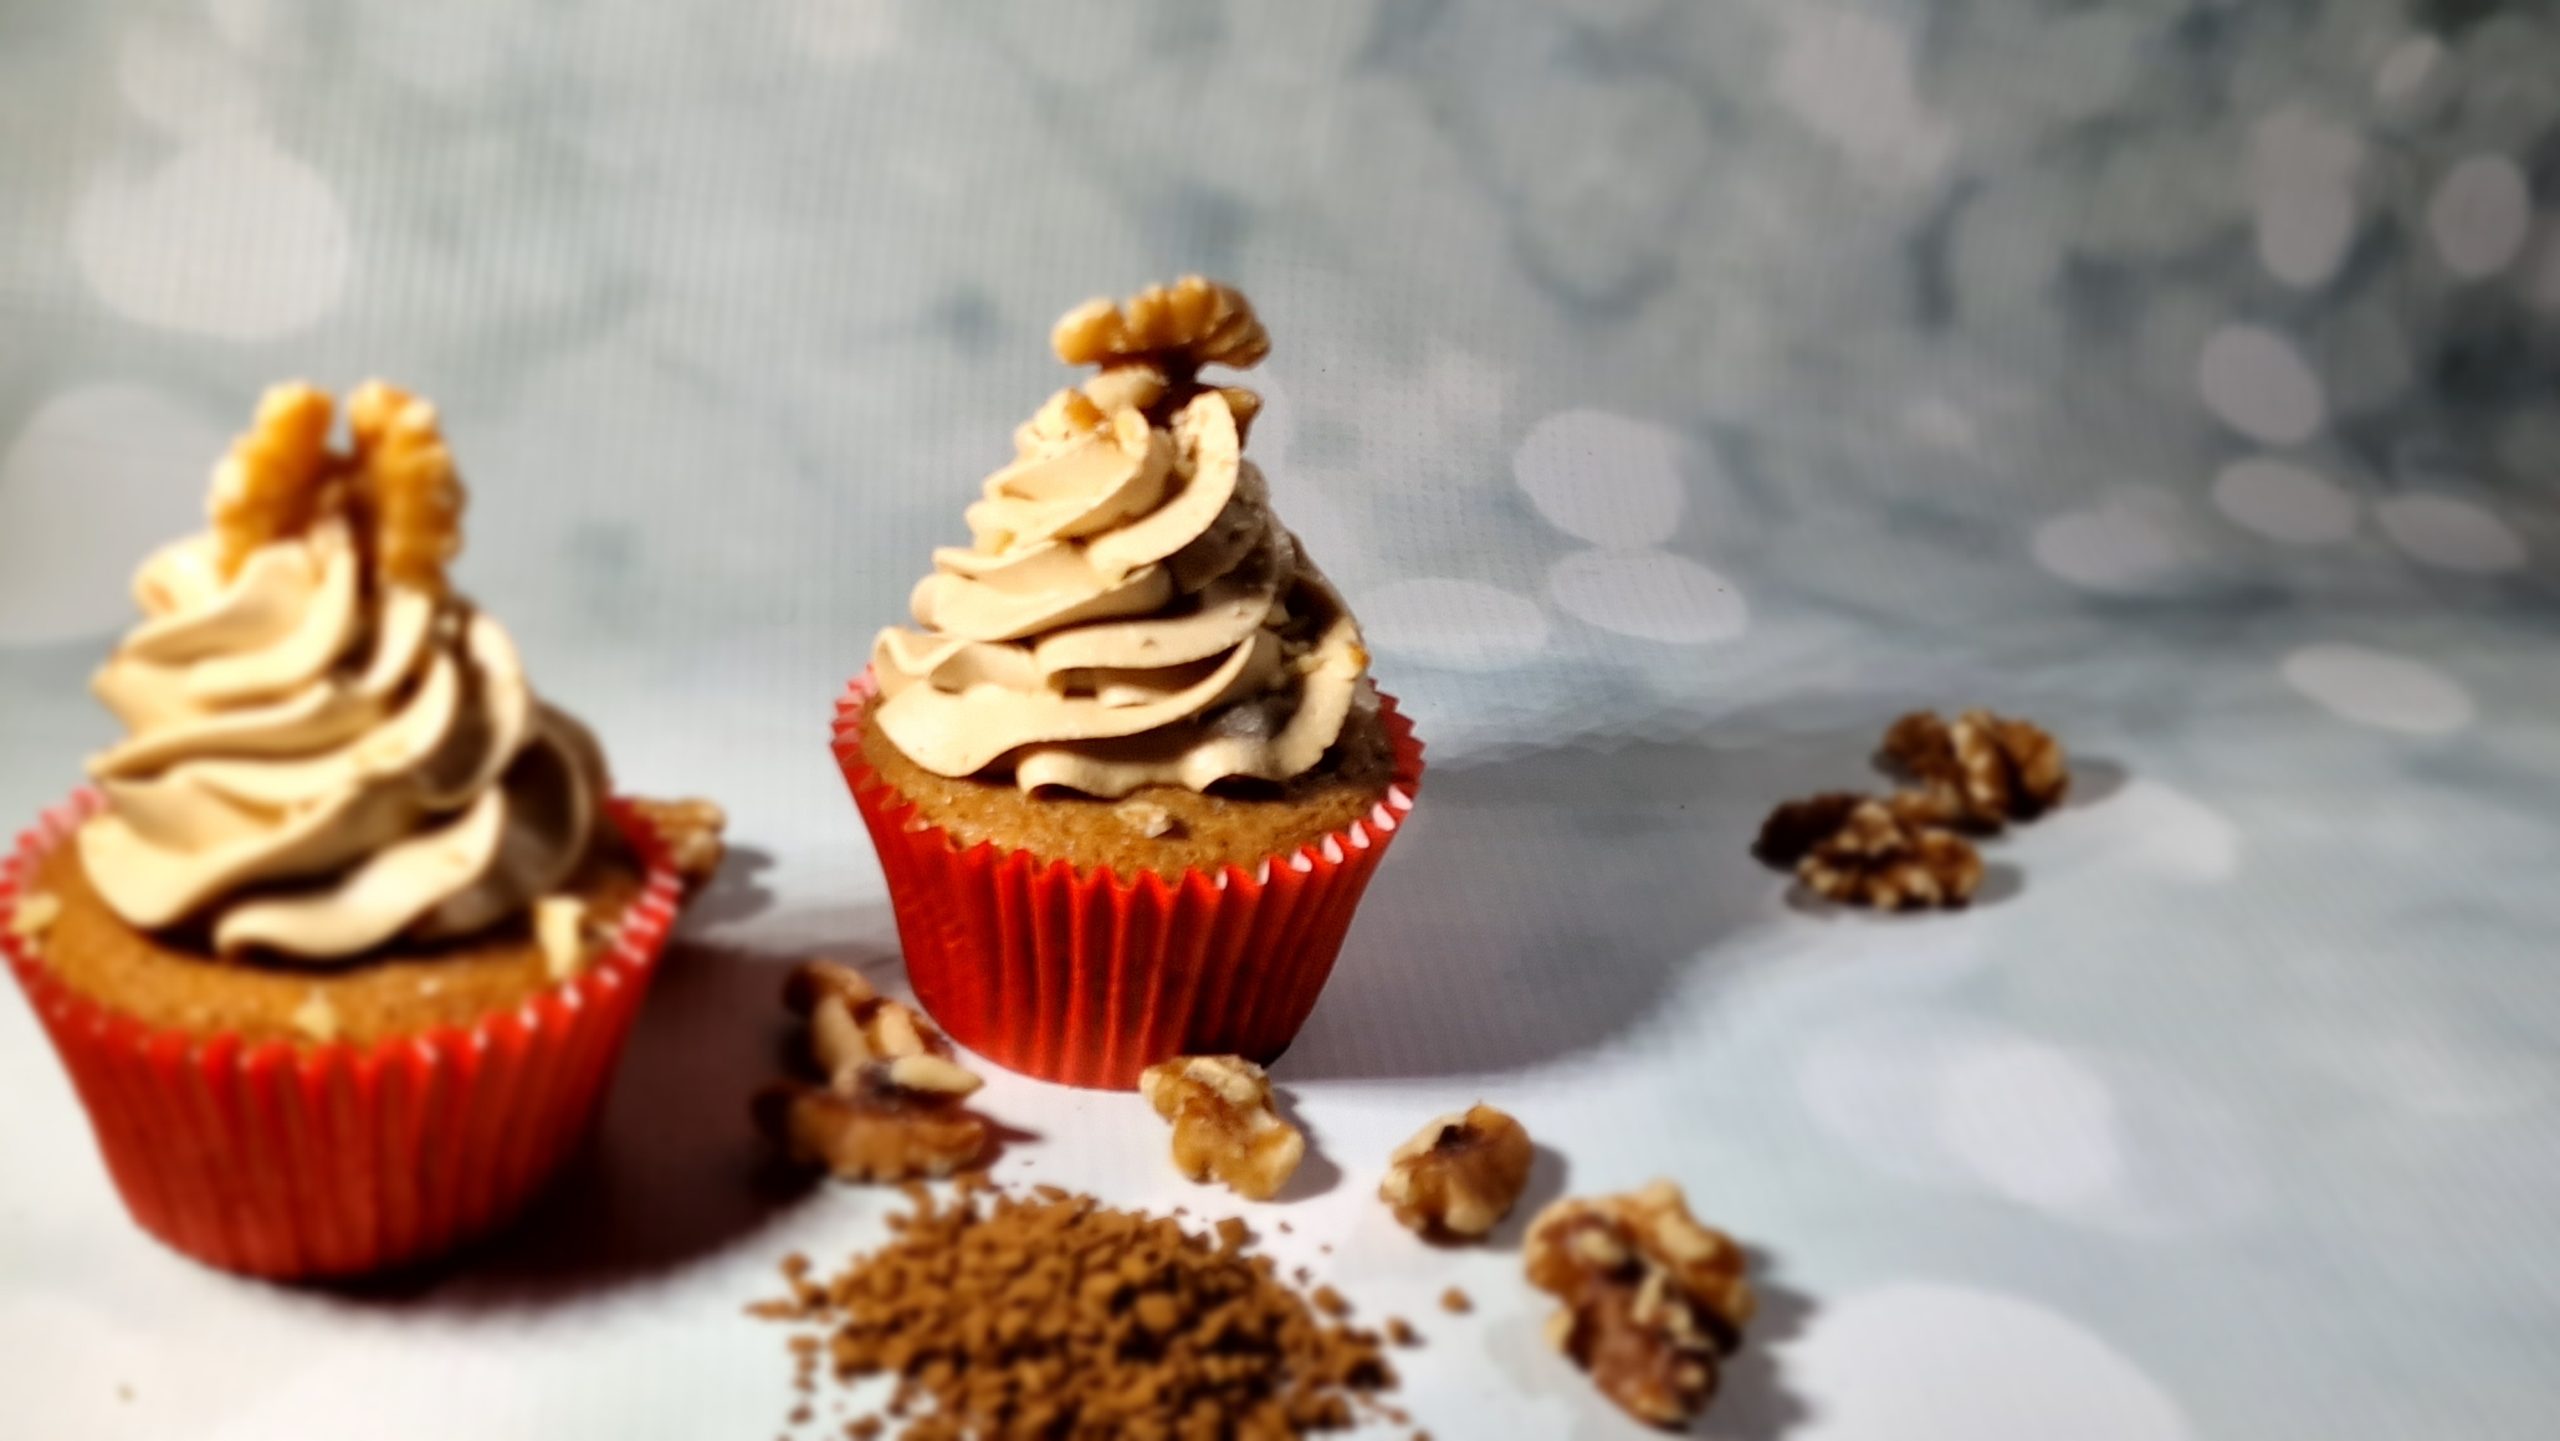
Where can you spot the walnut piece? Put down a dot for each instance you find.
(852, 1025)
(895, 1121)
(1874, 859)
(1653, 1301)
(1460, 1175)
(559, 928)
(268, 487)
(691, 831)
(315, 1019)
(1224, 1124)
(35, 914)
(1180, 327)
(407, 483)
(1985, 770)
(891, 1106)
(1796, 827)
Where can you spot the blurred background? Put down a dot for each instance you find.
(1685, 386)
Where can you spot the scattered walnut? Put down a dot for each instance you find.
(268, 487)
(891, 1109)
(1185, 325)
(407, 482)
(889, 1121)
(691, 831)
(1653, 1301)
(1456, 1302)
(559, 927)
(811, 981)
(1876, 860)
(1224, 1125)
(1460, 1174)
(1985, 770)
(316, 1019)
(850, 1024)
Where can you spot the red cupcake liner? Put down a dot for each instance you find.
(299, 1162)
(1089, 978)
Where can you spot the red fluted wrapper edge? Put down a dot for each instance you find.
(300, 1162)
(1088, 978)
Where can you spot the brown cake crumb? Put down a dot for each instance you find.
(1401, 1332)
(1052, 1316)
(1456, 1302)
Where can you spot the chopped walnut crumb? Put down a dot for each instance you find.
(1401, 1332)
(559, 927)
(1653, 1301)
(1224, 1123)
(35, 914)
(1456, 1302)
(1986, 769)
(1147, 819)
(691, 830)
(315, 1019)
(1460, 1174)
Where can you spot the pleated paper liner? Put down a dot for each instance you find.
(1088, 978)
(298, 1162)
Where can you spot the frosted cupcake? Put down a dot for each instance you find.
(1127, 773)
(341, 947)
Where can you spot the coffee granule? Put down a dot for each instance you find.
(1050, 1317)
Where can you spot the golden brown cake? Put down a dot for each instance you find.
(1166, 829)
(164, 983)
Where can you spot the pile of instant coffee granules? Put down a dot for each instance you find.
(1050, 1316)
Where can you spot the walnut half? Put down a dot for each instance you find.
(1653, 1301)
(1224, 1124)
(1460, 1175)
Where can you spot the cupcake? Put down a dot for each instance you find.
(1127, 773)
(343, 942)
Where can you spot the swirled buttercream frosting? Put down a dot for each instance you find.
(1129, 611)
(327, 750)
